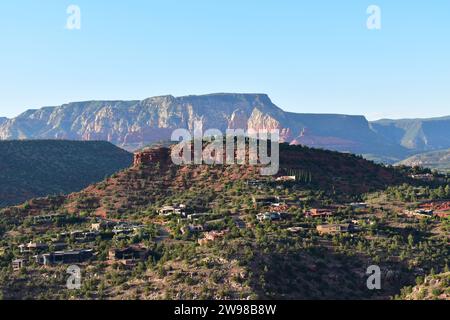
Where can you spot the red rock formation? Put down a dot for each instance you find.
(149, 156)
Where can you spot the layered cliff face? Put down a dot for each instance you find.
(135, 124)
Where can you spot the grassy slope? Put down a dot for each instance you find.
(31, 169)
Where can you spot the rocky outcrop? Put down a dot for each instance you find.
(151, 156)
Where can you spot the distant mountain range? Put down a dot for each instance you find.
(439, 160)
(134, 124)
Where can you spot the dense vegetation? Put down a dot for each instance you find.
(31, 169)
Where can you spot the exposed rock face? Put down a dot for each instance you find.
(136, 124)
(149, 156)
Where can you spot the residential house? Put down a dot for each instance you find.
(359, 205)
(103, 225)
(64, 257)
(268, 216)
(172, 210)
(126, 228)
(79, 236)
(129, 256)
(419, 213)
(192, 228)
(320, 213)
(333, 228)
(198, 216)
(261, 201)
(32, 247)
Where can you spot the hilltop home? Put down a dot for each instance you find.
(64, 257)
(333, 228)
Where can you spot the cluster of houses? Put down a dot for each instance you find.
(431, 209)
(79, 236)
(427, 177)
(419, 213)
(58, 253)
(320, 213)
(439, 208)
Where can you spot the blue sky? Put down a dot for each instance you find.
(309, 56)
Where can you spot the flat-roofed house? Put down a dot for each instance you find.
(333, 228)
(64, 257)
(261, 201)
(129, 256)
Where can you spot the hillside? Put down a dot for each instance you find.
(226, 252)
(134, 124)
(344, 175)
(439, 160)
(435, 287)
(30, 169)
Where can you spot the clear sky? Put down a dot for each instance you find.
(309, 56)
